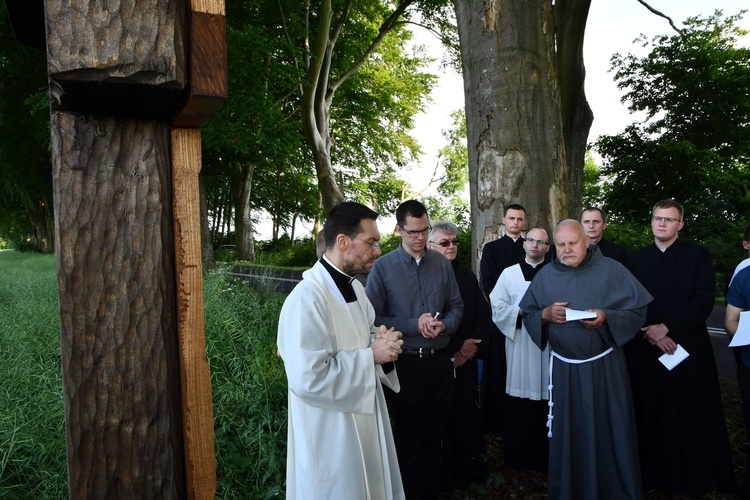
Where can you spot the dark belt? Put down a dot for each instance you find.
(425, 352)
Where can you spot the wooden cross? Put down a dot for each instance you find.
(131, 83)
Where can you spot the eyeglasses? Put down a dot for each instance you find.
(538, 242)
(445, 244)
(374, 244)
(656, 218)
(414, 234)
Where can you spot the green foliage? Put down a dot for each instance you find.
(694, 145)
(281, 253)
(32, 433)
(249, 388)
(25, 172)
(592, 182)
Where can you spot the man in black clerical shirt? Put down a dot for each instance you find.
(594, 220)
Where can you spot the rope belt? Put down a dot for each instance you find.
(552, 356)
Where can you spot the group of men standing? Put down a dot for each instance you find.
(571, 338)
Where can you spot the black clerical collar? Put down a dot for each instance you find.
(343, 281)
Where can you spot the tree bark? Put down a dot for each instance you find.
(244, 225)
(570, 20)
(207, 249)
(513, 114)
(117, 309)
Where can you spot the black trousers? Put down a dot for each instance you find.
(420, 411)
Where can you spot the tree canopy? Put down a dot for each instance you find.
(694, 143)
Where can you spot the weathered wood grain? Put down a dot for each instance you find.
(124, 58)
(197, 412)
(116, 283)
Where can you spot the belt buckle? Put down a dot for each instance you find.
(426, 352)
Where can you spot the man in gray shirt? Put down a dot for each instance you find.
(414, 290)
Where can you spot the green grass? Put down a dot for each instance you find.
(249, 385)
(32, 434)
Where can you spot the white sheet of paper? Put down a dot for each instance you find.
(572, 315)
(742, 336)
(672, 360)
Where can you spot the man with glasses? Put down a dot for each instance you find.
(594, 220)
(681, 430)
(413, 289)
(527, 373)
(463, 442)
(339, 436)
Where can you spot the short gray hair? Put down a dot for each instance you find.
(442, 226)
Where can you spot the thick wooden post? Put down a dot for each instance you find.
(136, 383)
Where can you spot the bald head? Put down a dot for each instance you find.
(536, 245)
(571, 242)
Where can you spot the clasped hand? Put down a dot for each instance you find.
(387, 345)
(430, 327)
(657, 335)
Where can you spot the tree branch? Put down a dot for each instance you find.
(660, 14)
(387, 26)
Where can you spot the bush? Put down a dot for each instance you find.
(283, 253)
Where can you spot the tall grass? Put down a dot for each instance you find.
(249, 388)
(249, 385)
(32, 433)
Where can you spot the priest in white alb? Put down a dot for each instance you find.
(340, 444)
(527, 366)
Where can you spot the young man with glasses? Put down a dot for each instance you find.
(527, 373)
(681, 429)
(463, 442)
(413, 289)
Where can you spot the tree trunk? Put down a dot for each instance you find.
(513, 117)
(244, 225)
(44, 228)
(570, 20)
(207, 249)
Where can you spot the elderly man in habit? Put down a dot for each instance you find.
(593, 443)
(527, 366)
(340, 443)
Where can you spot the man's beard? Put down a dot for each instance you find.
(353, 268)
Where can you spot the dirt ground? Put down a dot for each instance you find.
(504, 483)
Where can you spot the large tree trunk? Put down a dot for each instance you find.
(570, 20)
(513, 116)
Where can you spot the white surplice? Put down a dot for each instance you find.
(527, 374)
(340, 444)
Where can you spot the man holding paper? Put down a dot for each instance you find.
(593, 447)
(681, 430)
